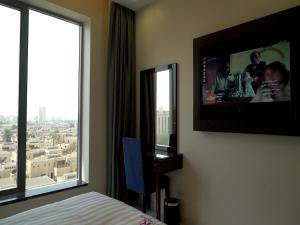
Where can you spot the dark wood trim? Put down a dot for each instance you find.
(169, 164)
(173, 94)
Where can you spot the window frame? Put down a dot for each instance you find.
(24, 9)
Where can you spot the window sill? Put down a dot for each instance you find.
(41, 191)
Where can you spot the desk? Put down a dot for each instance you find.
(164, 162)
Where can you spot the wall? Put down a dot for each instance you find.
(97, 11)
(227, 179)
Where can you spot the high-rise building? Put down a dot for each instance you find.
(42, 114)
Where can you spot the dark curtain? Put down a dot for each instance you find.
(121, 90)
(147, 106)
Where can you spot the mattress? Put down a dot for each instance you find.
(86, 209)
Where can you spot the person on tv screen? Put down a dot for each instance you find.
(232, 86)
(226, 85)
(275, 84)
(255, 69)
(221, 81)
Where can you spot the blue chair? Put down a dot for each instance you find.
(140, 178)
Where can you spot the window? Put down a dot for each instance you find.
(40, 78)
(163, 117)
(52, 100)
(9, 80)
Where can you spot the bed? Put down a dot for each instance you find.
(86, 209)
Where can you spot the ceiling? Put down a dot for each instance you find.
(134, 4)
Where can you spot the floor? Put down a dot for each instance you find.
(152, 210)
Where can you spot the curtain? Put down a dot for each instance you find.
(121, 90)
(147, 106)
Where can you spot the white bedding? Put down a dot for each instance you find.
(86, 209)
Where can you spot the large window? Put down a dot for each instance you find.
(9, 90)
(40, 77)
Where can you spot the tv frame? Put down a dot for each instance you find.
(280, 118)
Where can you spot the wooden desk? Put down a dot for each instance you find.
(164, 162)
(170, 162)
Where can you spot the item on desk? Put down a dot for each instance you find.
(160, 156)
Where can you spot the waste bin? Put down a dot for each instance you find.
(171, 211)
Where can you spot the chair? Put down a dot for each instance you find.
(138, 172)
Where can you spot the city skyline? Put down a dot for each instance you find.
(36, 117)
(51, 154)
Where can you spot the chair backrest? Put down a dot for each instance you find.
(134, 168)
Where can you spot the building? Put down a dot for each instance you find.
(9, 146)
(42, 114)
(67, 177)
(4, 156)
(52, 165)
(35, 153)
(7, 169)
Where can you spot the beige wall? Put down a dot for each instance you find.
(228, 179)
(97, 10)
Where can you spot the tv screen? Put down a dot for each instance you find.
(259, 75)
(246, 77)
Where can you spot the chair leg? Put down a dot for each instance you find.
(148, 196)
(144, 203)
(167, 189)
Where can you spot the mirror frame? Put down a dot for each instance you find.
(173, 101)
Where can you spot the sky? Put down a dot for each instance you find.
(163, 90)
(9, 60)
(53, 65)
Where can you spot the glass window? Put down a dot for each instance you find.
(9, 92)
(53, 93)
(40, 55)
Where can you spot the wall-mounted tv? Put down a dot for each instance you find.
(246, 77)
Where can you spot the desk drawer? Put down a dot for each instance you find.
(168, 164)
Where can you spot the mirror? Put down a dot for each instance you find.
(158, 111)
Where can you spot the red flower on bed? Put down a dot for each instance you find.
(147, 221)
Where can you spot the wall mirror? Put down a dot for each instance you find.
(158, 107)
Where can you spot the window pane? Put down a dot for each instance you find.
(9, 91)
(53, 92)
(163, 107)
